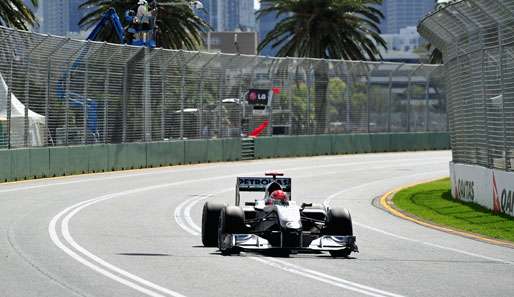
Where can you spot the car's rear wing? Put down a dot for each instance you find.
(259, 184)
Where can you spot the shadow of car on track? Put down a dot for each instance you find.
(144, 254)
(282, 254)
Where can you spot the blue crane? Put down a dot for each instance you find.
(141, 31)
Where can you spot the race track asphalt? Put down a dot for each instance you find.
(136, 233)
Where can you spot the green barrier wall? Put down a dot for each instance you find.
(19, 164)
(296, 146)
(231, 149)
(2, 136)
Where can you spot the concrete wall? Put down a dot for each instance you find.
(491, 188)
(295, 146)
(20, 164)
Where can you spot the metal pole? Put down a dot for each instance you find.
(391, 97)
(202, 93)
(85, 92)
(389, 101)
(427, 97)
(126, 94)
(106, 97)
(147, 96)
(270, 104)
(368, 89)
(220, 101)
(84, 107)
(48, 86)
(9, 91)
(9, 101)
(290, 96)
(163, 91)
(484, 102)
(26, 103)
(348, 95)
(183, 91)
(409, 96)
(67, 89)
(502, 83)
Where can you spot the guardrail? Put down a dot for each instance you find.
(29, 163)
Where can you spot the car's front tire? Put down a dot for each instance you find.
(339, 222)
(210, 219)
(231, 222)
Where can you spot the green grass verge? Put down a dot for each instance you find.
(433, 202)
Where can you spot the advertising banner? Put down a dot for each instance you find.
(493, 189)
(258, 97)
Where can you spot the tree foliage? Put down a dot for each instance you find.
(14, 13)
(327, 29)
(324, 29)
(180, 27)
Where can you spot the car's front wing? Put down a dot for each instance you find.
(322, 243)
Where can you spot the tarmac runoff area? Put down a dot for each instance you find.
(137, 233)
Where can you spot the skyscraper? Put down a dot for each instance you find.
(266, 24)
(403, 13)
(239, 14)
(60, 17)
(229, 15)
(210, 13)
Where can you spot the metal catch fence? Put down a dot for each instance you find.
(477, 41)
(59, 91)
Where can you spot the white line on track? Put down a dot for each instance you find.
(102, 177)
(105, 268)
(331, 197)
(332, 280)
(459, 251)
(99, 265)
(185, 222)
(325, 278)
(308, 273)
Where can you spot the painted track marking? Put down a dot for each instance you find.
(308, 273)
(331, 197)
(328, 278)
(130, 174)
(86, 258)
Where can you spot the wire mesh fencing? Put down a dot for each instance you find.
(59, 91)
(477, 41)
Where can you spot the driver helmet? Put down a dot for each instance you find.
(142, 2)
(279, 196)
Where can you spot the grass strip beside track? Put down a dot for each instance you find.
(433, 202)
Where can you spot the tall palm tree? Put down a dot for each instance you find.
(14, 13)
(325, 29)
(180, 27)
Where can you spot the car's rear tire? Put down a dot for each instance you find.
(339, 222)
(210, 219)
(231, 222)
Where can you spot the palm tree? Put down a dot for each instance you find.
(325, 29)
(14, 13)
(180, 27)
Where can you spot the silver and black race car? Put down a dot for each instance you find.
(266, 224)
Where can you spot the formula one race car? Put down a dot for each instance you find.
(275, 222)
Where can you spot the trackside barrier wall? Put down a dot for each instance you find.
(488, 187)
(20, 164)
(476, 39)
(297, 146)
